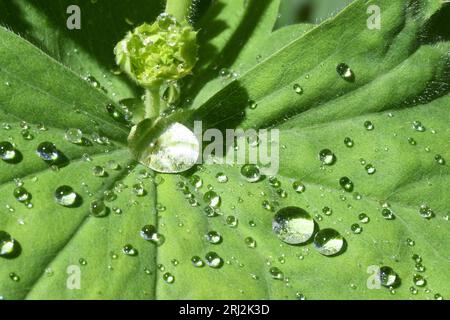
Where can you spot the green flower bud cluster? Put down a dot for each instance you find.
(163, 51)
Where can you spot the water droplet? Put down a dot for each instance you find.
(8, 246)
(363, 218)
(129, 250)
(221, 177)
(426, 212)
(328, 242)
(252, 105)
(417, 125)
(176, 150)
(97, 208)
(213, 260)
(388, 277)
(212, 199)
(232, 221)
(412, 141)
(349, 142)
(439, 159)
(196, 181)
(168, 277)
(276, 273)
(21, 194)
(74, 136)
(388, 214)
(65, 196)
(298, 89)
(7, 151)
(356, 228)
(345, 72)
(298, 187)
(149, 233)
(250, 242)
(47, 151)
(369, 125)
(327, 157)
(327, 211)
(346, 184)
(14, 277)
(139, 190)
(213, 237)
(197, 261)
(274, 182)
(370, 169)
(293, 225)
(251, 173)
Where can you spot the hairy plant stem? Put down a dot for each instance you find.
(152, 101)
(179, 9)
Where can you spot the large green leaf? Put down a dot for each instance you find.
(401, 76)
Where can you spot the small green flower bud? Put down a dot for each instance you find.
(164, 50)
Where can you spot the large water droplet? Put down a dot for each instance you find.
(388, 277)
(212, 199)
(21, 194)
(346, 184)
(213, 260)
(7, 151)
(327, 157)
(47, 151)
(328, 242)
(345, 72)
(176, 150)
(65, 196)
(74, 136)
(293, 225)
(213, 237)
(97, 208)
(149, 233)
(251, 172)
(8, 246)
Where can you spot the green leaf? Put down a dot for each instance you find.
(401, 75)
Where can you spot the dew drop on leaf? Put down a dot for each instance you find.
(213, 260)
(388, 277)
(418, 126)
(251, 173)
(197, 261)
(65, 196)
(21, 194)
(212, 199)
(213, 237)
(47, 151)
(168, 277)
(97, 208)
(175, 150)
(129, 250)
(8, 245)
(349, 142)
(328, 242)
(327, 157)
(276, 273)
(369, 125)
(346, 184)
(149, 233)
(298, 187)
(7, 151)
(345, 72)
(74, 136)
(232, 221)
(293, 225)
(298, 89)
